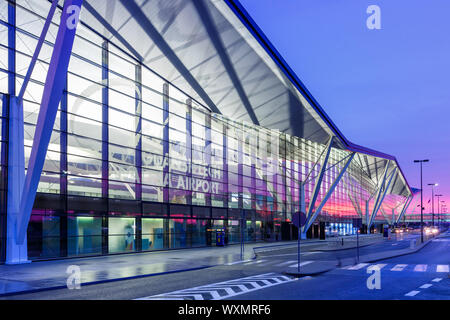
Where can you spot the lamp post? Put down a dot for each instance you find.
(439, 198)
(421, 197)
(432, 200)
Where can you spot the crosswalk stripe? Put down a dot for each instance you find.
(213, 293)
(308, 253)
(304, 263)
(412, 293)
(225, 289)
(421, 268)
(436, 280)
(237, 262)
(358, 266)
(425, 286)
(380, 265)
(399, 267)
(285, 263)
(269, 263)
(442, 268)
(254, 262)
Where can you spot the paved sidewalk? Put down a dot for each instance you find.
(53, 274)
(319, 267)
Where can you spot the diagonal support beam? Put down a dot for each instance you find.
(385, 215)
(355, 205)
(53, 91)
(379, 190)
(405, 207)
(312, 217)
(215, 38)
(164, 47)
(318, 184)
(383, 190)
(38, 48)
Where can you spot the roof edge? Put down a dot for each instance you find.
(259, 35)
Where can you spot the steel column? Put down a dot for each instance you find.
(405, 207)
(53, 90)
(311, 219)
(318, 183)
(378, 205)
(16, 251)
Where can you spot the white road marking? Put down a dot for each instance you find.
(211, 291)
(442, 268)
(399, 267)
(412, 293)
(285, 263)
(421, 268)
(358, 266)
(426, 286)
(254, 262)
(436, 280)
(237, 262)
(304, 263)
(380, 265)
(308, 253)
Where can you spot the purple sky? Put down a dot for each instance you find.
(385, 89)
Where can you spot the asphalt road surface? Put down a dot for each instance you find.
(423, 275)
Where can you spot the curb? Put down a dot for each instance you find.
(340, 249)
(400, 254)
(101, 281)
(305, 274)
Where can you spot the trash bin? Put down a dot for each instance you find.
(220, 237)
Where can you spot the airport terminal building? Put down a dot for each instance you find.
(173, 120)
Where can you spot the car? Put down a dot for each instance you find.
(397, 230)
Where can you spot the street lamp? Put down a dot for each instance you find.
(432, 199)
(421, 197)
(439, 198)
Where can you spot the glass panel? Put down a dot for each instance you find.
(152, 234)
(84, 235)
(121, 234)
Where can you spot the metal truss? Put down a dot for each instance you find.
(381, 191)
(20, 203)
(405, 207)
(164, 47)
(312, 214)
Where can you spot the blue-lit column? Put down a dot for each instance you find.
(138, 152)
(105, 145)
(138, 133)
(208, 151)
(225, 165)
(188, 192)
(15, 253)
(240, 137)
(226, 194)
(12, 47)
(253, 157)
(3, 173)
(166, 142)
(63, 172)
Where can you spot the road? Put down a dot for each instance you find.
(423, 275)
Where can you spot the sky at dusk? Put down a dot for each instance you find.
(385, 89)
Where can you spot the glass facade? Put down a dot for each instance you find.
(134, 164)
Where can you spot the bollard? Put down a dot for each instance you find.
(412, 244)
